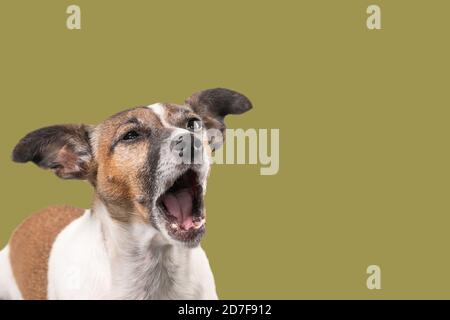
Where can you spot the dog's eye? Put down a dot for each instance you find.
(194, 124)
(131, 135)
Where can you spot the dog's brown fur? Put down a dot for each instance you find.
(29, 259)
(117, 172)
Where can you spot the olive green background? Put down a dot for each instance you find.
(363, 118)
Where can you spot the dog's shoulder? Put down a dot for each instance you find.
(31, 244)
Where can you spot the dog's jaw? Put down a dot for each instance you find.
(178, 211)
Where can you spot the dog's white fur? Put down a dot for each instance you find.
(8, 286)
(96, 258)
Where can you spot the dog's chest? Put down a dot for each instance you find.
(159, 273)
(84, 265)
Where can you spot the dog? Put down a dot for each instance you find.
(141, 238)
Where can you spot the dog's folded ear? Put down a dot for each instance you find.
(65, 149)
(213, 105)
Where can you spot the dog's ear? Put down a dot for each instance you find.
(65, 149)
(213, 105)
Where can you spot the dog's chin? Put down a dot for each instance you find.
(181, 210)
(189, 238)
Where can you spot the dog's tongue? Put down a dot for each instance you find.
(179, 205)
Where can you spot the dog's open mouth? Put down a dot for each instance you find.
(182, 205)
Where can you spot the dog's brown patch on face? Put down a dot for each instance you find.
(177, 115)
(121, 163)
(30, 248)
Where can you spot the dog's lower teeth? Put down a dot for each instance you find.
(174, 226)
(198, 224)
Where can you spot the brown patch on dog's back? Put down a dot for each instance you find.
(30, 248)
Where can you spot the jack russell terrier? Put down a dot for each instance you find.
(141, 238)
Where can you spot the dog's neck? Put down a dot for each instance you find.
(144, 265)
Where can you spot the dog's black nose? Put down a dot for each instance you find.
(187, 146)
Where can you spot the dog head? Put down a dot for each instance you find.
(147, 164)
